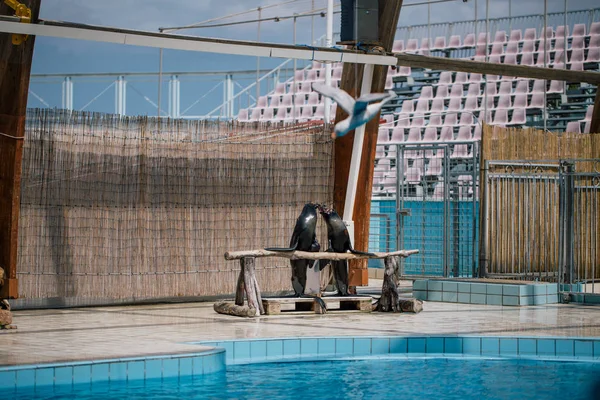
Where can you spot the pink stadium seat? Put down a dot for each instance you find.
(435, 120)
(527, 59)
(578, 42)
(474, 90)
(403, 120)
(595, 28)
(559, 43)
(311, 75)
(495, 59)
(540, 59)
(480, 50)
(388, 120)
(464, 133)
(528, 47)
(471, 104)
(441, 92)
(403, 71)
(490, 90)
(268, 115)
(483, 38)
(560, 32)
(438, 192)
(337, 73)
(457, 90)
(469, 40)
(440, 43)
(455, 104)
(430, 134)
(422, 105)
(577, 66)
(275, 101)
(447, 134)
(461, 77)
(389, 83)
(492, 78)
(243, 115)
(530, 34)
(512, 48)
(412, 45)
(299, 75)
(557, 86)
(256, 114)
(510, 59)
(579, 30)
(454, 42)
(398, 135)
(559, 57)
(588, 127)
(588, 113)
(505, 88)
(539, 86)
(500, 37)
(262, 102)
(427, 92)
(414, 134)
(383, 136)
(299, 99)
(407, 106)
(445, 78)
(477, 132)
(487, 117)
(504, 102)
(450, 119)
(437, 105)
(398, 46)
(417, 120)
(319, 112)
(573, 127)
(515, 35)
(537, 101)
(544, 45)
(549, 33)
(279, 89)
(424, 49)
(313, 99)
(413, 175)
(316, 65)
(594, 41)
(280, 114)
(295, 88)
(487, 103)
(475, 78)
(501, 117)
(466, 119)
(307, 112)
(520, 100)
(518, 117)
(460, 151)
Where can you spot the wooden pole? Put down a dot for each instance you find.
(389, 13)
(15, 69)
(595, 122)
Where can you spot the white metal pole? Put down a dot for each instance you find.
(294, 82)
(258, 58)
(312, 23)
(357, 149)
(329, 43)
(545, 60)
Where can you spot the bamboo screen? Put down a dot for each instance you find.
(524, 210)
(133, 208)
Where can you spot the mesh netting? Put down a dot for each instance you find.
(121, 208)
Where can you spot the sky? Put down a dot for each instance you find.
(65, 56)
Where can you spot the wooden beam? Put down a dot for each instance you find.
(305, 255)
(521, 71)
(15, 68)
(595, 122)
(389, 13)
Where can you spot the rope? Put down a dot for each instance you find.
(12, 137)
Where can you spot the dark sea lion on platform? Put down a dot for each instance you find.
(304, 238)
(339, 242)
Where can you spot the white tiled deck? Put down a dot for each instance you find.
(113, 332)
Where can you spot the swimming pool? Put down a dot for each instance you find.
(444, 367)
(380, 378)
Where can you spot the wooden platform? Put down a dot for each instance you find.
(275, 306)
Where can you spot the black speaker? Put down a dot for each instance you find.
(360, 21)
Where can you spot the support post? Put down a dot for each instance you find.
(67, 94)
(595, 122)
(389, 13)
(328, 43)
(15, 69)
(483, 217)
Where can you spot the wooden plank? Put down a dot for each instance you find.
(273, 306)
(15, 69)
(358, 275)
(304, 255)
(595, 122)
(522, 71)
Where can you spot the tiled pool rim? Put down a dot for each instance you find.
(248, 351)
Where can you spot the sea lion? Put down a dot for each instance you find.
(339, 242)
(304, 238)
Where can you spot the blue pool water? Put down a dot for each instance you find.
(402, 378)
